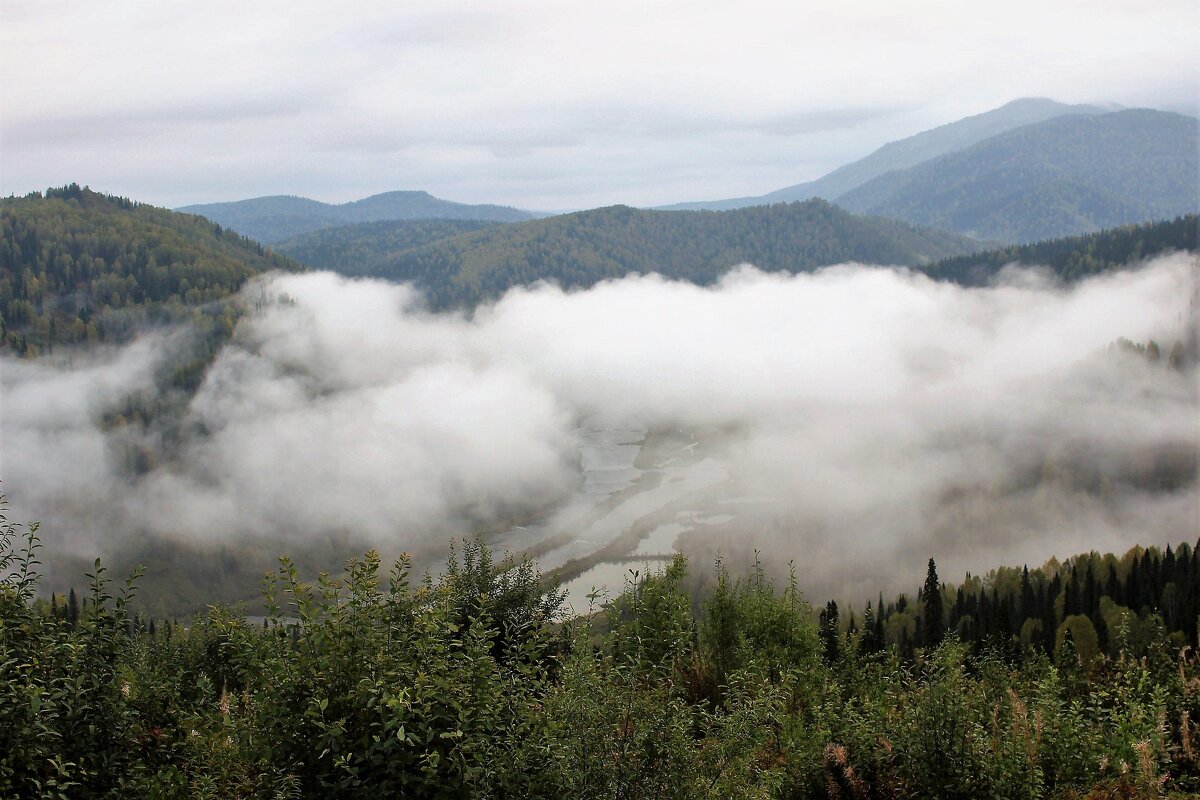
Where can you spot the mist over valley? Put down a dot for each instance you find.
(850, 420)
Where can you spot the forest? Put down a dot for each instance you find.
(579, 250)
(1078, 679)
(1073, 258)
(81, 267)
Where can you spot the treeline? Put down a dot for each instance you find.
(471, 685)
(582, 249)
(1098, 605)
(1073, 258)
(80, 266)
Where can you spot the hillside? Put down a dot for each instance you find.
(1033, 683)
(909, 152)
(1066, 176)
(581, 249)
(1072, 258)
(80, 266)
(362, 248)
(274, 219)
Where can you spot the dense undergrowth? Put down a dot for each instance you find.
(379, 684)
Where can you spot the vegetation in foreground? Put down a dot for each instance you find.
(381, 685)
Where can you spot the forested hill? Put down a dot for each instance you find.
(367, 246)
(581, 249)
(80, 266)
(1070, 175)
(273, 219)
(1075, 257)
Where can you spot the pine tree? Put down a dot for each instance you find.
(829, 631)
(72, 608)
(934, 626)
(1027, 599)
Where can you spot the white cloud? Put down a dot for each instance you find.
(890, 417)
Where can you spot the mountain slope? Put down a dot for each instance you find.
(581, 249)
(909, 152)
(80, 266)
(1065, 176)
(363, 247)
(274, 219)
(1073, 258)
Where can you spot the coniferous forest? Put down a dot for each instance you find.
(81, 267)
(1078, 679)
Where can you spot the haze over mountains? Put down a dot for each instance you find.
(273, 219)
(1068, 175)
(1030, 170)
(909, 152)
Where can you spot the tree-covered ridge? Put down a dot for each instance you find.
(909, 152)
(364, 248)
(381, 684)
(274, 219)
(80, 266)
(579, 250)
(1073, 258)
(1068, 175)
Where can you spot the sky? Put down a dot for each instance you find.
(535, 103)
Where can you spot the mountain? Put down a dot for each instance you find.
(1065, 176)
(274, 219)
(910, 152)
(581, 249)
(1073, 258)
(369, 245)
(77, 266)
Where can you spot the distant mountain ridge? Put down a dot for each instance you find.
(1030, 170)
(579, 250)
(909, 152)
(1065, 176)
(275, 218)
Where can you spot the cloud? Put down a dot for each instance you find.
(711, 99)
(877, 416)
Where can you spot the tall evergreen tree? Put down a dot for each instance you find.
(934, 624)
(830, 635)
(72, 608)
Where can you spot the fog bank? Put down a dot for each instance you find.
(881, 417)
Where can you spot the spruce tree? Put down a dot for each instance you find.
(72, 608)
(932, 595)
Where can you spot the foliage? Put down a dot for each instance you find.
(77, 266)
(470, 685)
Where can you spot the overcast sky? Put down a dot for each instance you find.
(539, 104)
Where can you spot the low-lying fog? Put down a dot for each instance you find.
(856, 420)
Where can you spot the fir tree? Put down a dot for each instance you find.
(72, 608)
(932, 595)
